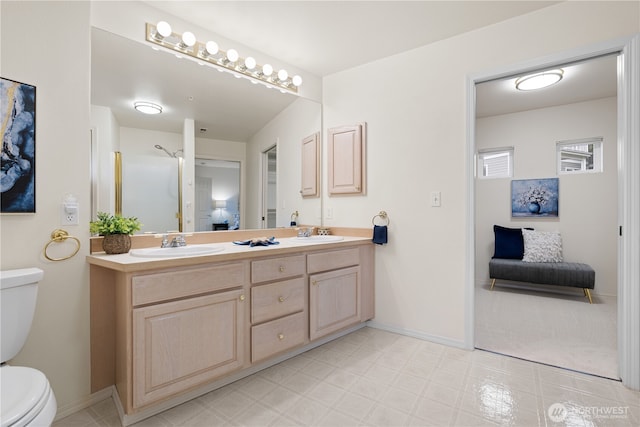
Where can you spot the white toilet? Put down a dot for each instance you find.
(26, 396)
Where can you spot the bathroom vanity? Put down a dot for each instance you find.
(165, 330)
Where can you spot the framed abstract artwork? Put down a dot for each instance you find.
(534, 197)
(18, 162)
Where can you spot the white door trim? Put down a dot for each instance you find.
(628, 188)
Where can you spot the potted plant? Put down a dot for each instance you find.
(116, 231)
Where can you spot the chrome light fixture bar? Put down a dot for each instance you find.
(209, 52)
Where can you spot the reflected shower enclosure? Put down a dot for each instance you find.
(151, 181)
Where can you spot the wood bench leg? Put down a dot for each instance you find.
(587, 293)
(493, 282)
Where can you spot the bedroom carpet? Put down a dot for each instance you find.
(558, 328)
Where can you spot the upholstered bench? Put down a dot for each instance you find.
(571, 274)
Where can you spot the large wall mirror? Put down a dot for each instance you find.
(230, 121)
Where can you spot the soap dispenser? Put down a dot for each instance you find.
(294, 219)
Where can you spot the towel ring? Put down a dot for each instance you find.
(382, 215)
(59, 236)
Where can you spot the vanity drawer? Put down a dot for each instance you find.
(277, 336)
(277, 268)
(333, 260)
(152, 288)
(276, 300)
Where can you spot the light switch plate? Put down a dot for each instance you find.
(435, 199)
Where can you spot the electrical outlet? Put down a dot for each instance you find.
(69, 214)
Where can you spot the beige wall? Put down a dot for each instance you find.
(415, 107)
(47, 44)
(414, 104)
(588, 202)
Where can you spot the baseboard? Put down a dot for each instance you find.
(416, 334)
(73, 407)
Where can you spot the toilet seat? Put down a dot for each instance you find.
(25, 393)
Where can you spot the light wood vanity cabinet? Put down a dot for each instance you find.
(181, 340)
(160, 333)
(335, 291)
(180, 344)
(278, 309)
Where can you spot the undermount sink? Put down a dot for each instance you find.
(179, 251)
(317, 239)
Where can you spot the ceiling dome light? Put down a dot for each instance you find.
(539, 80)
(296, 80)
(163, 29)
(188, 39)
(147, 107)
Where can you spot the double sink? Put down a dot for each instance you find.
(199, 250)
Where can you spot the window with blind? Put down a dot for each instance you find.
(579, 155)
(495, 163)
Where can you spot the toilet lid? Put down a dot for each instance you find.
(22, 390)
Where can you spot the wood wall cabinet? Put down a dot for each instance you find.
(310, 186)
(160, 333)
(346, 162)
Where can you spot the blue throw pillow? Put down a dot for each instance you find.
(509, 243)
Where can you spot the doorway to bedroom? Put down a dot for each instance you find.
(550, 324)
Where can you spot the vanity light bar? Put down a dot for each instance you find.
(186, 44)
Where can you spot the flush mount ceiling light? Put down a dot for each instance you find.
(539, 80)
(147, 107)
(209, 52)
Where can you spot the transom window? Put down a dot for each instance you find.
(579, 155)
(495, 163)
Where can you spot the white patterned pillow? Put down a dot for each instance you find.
(542, 246)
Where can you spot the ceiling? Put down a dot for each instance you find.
(320, 37)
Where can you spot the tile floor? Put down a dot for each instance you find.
(376, 378)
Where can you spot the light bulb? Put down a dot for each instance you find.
(267, 70)
(283, 75)
(232, 55)
(163, 29)
(250, 63)
(211, 48)
(188, 39)
(296, 80)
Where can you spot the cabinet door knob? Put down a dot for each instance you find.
(281, 299)
(314, 282)
(281, 268)
(280, 337)
(242, 297)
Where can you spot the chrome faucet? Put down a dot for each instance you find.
(305, 232)
(175, 242)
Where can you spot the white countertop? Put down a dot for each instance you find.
(129, 263)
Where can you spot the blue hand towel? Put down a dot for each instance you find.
(379, 234)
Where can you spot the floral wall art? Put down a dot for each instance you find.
(18, 162)
(534, 197)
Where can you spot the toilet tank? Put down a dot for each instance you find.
(18, 294)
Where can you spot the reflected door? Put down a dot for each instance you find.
(204, 186)
(269, 187)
